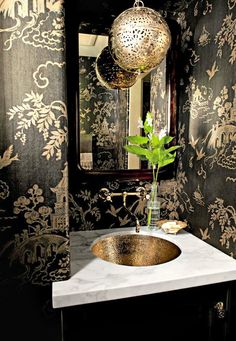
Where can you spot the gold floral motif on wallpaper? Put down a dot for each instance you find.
(181, 138)
(224, 217)
(227, 36)
(85, 211)
(206, 5)
(181, 20)
(198, 196)
(41, 77)
(34, 31)
(48, 119)
(205, 37)
(5, 160)
(42, 238)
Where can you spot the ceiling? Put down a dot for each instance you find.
(95, 10)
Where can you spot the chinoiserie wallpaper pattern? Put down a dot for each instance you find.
(203, 192)
(33, 142)
(103, 121)
(207, 122)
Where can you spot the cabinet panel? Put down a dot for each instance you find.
(188, 314)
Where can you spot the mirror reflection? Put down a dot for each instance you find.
(108, 116)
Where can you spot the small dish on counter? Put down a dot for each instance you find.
(171, 226)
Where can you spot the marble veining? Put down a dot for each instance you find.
(95, 280)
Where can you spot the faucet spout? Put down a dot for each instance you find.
(137, 226)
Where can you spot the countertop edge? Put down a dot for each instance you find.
(74, 299)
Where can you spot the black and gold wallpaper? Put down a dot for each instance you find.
(207, 122)
(33, 150)
(33, 141)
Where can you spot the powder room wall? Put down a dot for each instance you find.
(34, 239)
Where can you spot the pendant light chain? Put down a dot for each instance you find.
(138, 3)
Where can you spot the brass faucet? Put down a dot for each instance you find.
(140, 192)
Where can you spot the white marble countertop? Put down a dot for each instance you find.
(95, 280)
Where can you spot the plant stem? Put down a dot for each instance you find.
(155, 172)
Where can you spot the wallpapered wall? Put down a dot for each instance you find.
(33, 152)
(203, 192)
(207, 122)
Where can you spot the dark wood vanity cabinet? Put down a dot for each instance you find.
(204, 313)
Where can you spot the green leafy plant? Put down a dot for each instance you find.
(153, 147)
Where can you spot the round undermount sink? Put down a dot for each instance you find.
(134, 249)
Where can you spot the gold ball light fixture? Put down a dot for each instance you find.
(139, 38)
(110, 74)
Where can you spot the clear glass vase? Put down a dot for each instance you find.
(153, 207)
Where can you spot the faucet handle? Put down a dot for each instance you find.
(142, 192)
(104, 194)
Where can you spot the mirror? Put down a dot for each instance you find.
(107, 116)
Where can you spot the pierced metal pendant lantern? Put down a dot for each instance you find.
(139, 38)
(110, 74)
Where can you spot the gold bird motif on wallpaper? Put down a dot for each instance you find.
(211, 72)
(200, 154)
(193, 142)
(205, 234)
(6, 159)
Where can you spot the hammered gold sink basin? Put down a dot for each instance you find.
(134, 249)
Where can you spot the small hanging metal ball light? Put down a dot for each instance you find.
(110, 74)
(139, 38)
